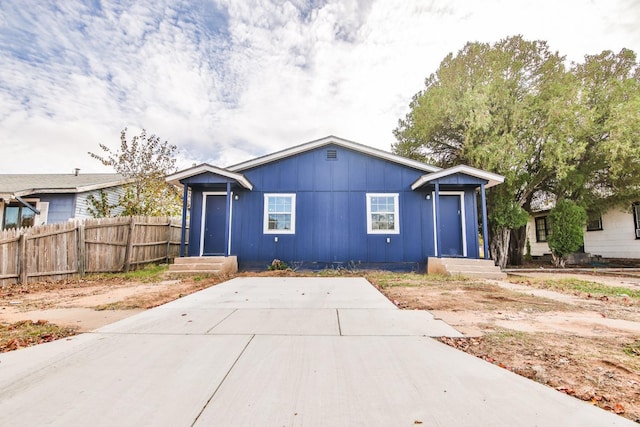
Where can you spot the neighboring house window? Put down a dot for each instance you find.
(279, 213)
(636, 218)
(542, 229)
(16, 216)
(383, 214)
(594, 222)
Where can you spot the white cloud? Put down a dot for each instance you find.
(231, 80)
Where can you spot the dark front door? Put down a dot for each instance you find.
(214, 225)
(450, 226)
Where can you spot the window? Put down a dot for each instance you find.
(382, 214)
(279, 214)
(16, 216)
(636, 218)
(594, 222)
(542, 229)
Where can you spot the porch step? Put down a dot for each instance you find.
(204, 265)
(477, 268)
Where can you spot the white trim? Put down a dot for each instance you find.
(492, 178)
(396, 213)
(334, 141)
(203, 217)
(203, 168)
(463, 222)
(265, 214)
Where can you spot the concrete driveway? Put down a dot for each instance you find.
(275, 352)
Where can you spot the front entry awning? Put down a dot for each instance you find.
(203, 169)
(458, 176)
(449, 176)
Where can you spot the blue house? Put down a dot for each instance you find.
(333, 202)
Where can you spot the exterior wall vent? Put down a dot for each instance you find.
(332, 154)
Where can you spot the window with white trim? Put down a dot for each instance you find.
(17, 216)
(542, 229)
(383, 214)
(594, 221)
(279, 214)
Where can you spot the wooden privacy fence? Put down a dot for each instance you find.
(57, 251)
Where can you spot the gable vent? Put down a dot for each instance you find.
(332, 154)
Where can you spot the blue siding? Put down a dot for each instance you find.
(61, 206)
(331, 212)
(331, 223)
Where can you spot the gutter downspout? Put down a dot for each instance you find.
(26, 205)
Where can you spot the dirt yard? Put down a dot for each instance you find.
(579, 334)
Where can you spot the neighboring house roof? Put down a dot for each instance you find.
(494, 179)
(204, 168)
(26, 184)
(331, 140)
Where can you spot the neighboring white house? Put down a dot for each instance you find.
(615, 234)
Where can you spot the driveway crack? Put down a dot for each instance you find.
(222, 382)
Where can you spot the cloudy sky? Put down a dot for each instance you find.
(228, 80)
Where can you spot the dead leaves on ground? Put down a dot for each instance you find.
(26, 333)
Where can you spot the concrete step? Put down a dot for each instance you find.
(477, 268)
(470, 267)
(204, 265)
(199, 260)
(199, 266)
(468, 261)
(497, 275)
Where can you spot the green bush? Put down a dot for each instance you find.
(567, 230)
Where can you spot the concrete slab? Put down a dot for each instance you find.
(267, 352)
(393, 322)
(166, 320)
(287, 292)
(289, 321)
(384, 381)
(123, 380)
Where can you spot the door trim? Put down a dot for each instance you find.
(203, 216)
(462, 220)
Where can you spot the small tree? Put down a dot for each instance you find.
(99, 207)
(145, 161)
(567, 230)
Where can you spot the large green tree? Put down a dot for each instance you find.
(145, 161)
(507, 108)
(608, 171)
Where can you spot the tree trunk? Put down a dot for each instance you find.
(517, 245)
(558, 261)
(499, 245)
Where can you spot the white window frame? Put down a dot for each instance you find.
(265, 216)
(396, 213)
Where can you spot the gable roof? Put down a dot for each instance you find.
(492, 178)
(204, 168)
(332, 140)
(26, 184)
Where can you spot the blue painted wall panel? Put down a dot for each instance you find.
(61, 206)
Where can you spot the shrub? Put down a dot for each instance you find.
(276, 264)
(567, 230)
